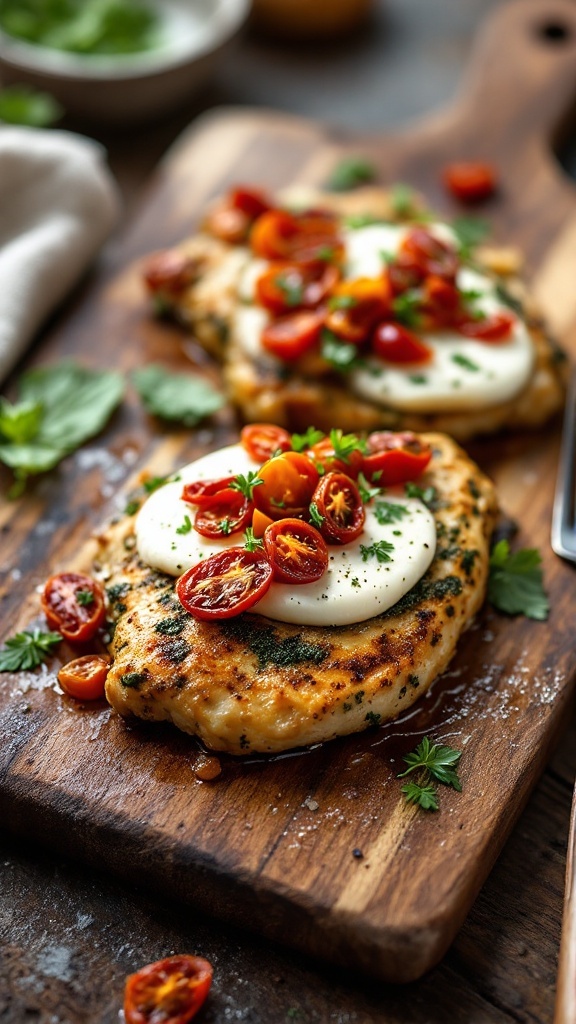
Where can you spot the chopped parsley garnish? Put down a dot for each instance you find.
(85, 598)
(154, 483)
(291, 286)
(380, 550)
(132, 680)
(509, 300)
(515, 585)
(27, 650)
(464, 362)
(425, 797)
(252, 543)
(434, 761)
(366, 492)
(428, 495)
(340, 354)
(246, 484)
(345, 444)
(316, 517)
(132, 508)
(373, 718)
(186, 526)
(327, 254)
(342, 302)
(388, 512)
(402, 199)
(470, 232)
(307, 440)
(418, 378)
(406, 307)
(350, 172)
(225, 526)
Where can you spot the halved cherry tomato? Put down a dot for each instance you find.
(357, 306)
(429, 253)
(403, 273)
(74, 605)
(395, 458)
(227, 512)
(279, 235)
(322, 454)
(338, 500)
(84, 678)
(225, 584)
(441, 299)
(396, 344)
(289, 482)
(296, 551)
(263, 440)
(170, 991)
(229, 224)
(202, 492)
(497, 327)
(290, 337)
(285, 286)
(470, 181)
(252, 201)
(169, 272)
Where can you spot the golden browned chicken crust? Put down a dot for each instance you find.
(252, 684)
(308, 392)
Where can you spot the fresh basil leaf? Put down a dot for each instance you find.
(515, 585)
(176, 397)
(77, 402)
(350, 172)
(19, 423)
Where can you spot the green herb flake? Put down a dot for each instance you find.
(406, 307)
(171, 627)
(154, 483)
(388, 512)
(291, 286)
(470, 232)
(340, 354)
(132, 508)
(373, 718)
(246, 484)
(265, 644)
(464, 362)
(132, 680)
(515, 585)
(252, 543)
(345, 444)
(186, 526)
(351, 172)
(402, 200)
(300, 442)
(176, 397)
(85, 598)
(437, 759)
(316, 517)
(427, 495)
(27, 650)
(366, 491)
(380, 550)
(86, 27)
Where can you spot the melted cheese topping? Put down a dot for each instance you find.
(464, 373)
(352, 589)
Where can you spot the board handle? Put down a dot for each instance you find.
(565, 1009)
(521, 81)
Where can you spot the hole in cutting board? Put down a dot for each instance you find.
(555, 32)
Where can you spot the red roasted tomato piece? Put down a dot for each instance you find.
(296, 551)
(229, 224)
(396, 344)
(227, 512)
(279, 235)
(74, 605)
(202, 492)
(322, 454)
(290, 337)
(84, 678)
(170, 991)
(470, 181)
(225, 584)
(395, 458)
(440, 302)
(289, 482)
(429, 253)
(338, 500)
(169, 272)
(403, 273)
(289, 286)
(252, 201)
(497, 327)
(356, 306)
(263, 440)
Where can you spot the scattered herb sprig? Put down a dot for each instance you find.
(27, 650)
(516, 585)
(176, 397)
(434, 762)
(351, 172)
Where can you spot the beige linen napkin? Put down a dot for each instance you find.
(58, 203)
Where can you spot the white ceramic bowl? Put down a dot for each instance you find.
(131, 87)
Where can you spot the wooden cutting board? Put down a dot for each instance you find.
(318, 849)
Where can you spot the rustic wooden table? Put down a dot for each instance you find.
(68, 937)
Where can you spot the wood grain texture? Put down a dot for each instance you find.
(565, 1009)
(249, 847)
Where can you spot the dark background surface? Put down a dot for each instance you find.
(68, 936)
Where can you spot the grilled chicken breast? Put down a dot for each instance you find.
(306, 390)
(252, 684)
